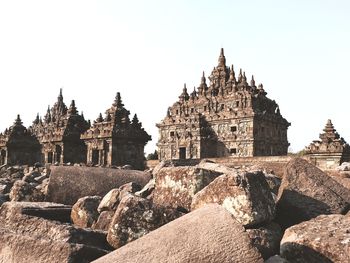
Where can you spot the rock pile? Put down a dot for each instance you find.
(201, 213)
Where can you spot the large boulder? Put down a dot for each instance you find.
(246, 195)
(32, 232)
(111, 200)
(84, 211)
(266, 239)
(209, 234)
(136, 217)
(176, 186)
(69, 183)
(325, 238)
(307, 192)
(104, 220)
(24, 191)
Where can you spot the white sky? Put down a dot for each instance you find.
(299, 50)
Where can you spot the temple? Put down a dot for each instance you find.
(330, 151)
(114, 139)
(18, 146)
(227, 117)
(59, 133)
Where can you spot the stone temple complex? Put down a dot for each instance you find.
(59, 133)
(114, 139)
(227, 117)
(64, 136)
(330, 151)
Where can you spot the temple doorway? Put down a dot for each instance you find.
(95, 157)
(182, 153)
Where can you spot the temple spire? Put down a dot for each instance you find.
(118, 101)
(252, 82)
(222, 59)
(232, 74)
(100, 118)
(18, 121)
(60, 96)
(72, 109)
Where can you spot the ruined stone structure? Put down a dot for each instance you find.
(18, 146)
(59, 133)
(330, 151)
(115, 140)
(228, 117)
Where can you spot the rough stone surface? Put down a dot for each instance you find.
(246, 195)
(103, 221)
(25, 236)
(24, 191)
(147, 190)
(276, 259)
(110, 201)
(325, 238)
(176, 186)
(136, 217)
(307, 192)
(68, 184)
(266, 239)
(84, 211)
(209, 234)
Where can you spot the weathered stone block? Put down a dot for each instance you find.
(325, 238)
(136, 217)
(307, 192)
(26, 237)
(176, 186)
(103, 221)
(84, 211)
(209, 234)
(246, 195)
(68, 184)
(266, 239)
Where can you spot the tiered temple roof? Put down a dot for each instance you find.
(330, 142)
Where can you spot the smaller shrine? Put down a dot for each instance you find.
(18, 146)
(330, 151)
(115, 140)
(59, 133)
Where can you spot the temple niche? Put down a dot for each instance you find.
(330, 151)
(115, 140)
(227, 117)
(59, 133)
(18, 146)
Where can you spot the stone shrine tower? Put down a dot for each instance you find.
(330, 151)
(59, 133)
(18, 146)
(227, 117)
(115, 140)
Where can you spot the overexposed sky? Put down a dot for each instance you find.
(147, 50)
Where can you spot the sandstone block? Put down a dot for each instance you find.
(307, 192)
(246, 195)
(84, 211)
(25, 236)
(266, 239)
(176, 186)
(325, 238)
(136, 217)
(209, 234)
(69, 183)
(104, 220)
